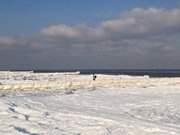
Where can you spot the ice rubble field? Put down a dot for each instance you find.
(73, 104)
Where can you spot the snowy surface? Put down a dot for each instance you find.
(97, 110)
(29, 81)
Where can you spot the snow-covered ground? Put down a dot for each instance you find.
(110, 105)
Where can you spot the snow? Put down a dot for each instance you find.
(28, 81)
(111, 105)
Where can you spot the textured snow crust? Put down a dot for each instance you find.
(105, 108)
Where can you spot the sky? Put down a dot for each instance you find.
(89, 34)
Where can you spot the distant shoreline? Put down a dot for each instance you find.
(132, 72)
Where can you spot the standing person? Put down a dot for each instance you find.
(94, 77)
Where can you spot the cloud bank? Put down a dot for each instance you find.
(135, 24)
(139, 38)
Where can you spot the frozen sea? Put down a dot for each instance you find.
(137, 109)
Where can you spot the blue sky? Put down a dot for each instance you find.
(28, 16)
(105, 34)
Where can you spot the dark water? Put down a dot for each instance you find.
(141, 72)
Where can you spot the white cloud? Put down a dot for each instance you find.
(132, 24)
(62, 31)
(7, 41)
(145, 22)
